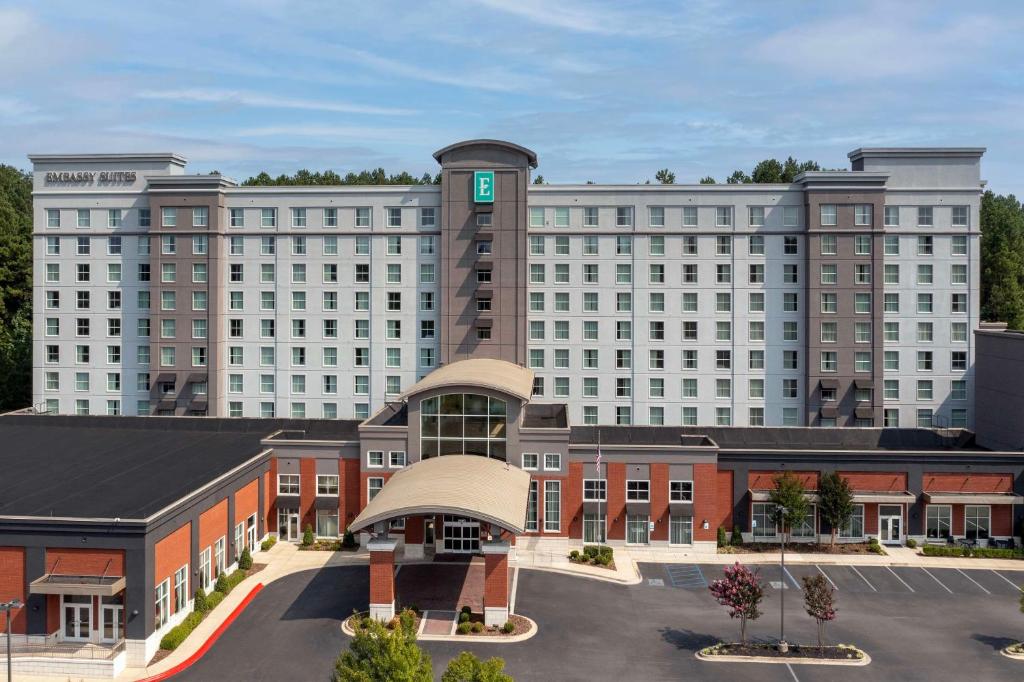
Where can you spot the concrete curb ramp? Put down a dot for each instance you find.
(790, 660)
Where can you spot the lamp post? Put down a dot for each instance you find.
(783, 645)
(7, 607)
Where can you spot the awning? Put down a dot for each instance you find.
(326, 502)
(829, 412)
(765, 496)
(94, 585)
(196, 377)
(497, 375)
(882, 497)
(864, 383)
(829, 383)
(483, 235)
(864, 413)
(485, 322)
(164, 376)
(481, 488)
(166, 405)
(635, 507)
(973, 498)
(286, 502)
(680, 508)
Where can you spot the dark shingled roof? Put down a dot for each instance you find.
(124, 467)
(636, 435)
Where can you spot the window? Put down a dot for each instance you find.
(552, 461)
(624, 216)
(162, 600)
(828, 214)
(552, 506)
(463, 424)
(763, 520)
(530, 460)
(977, 521)
(680, 491)
(892, 216)
(326, 484)
(862, 214)
(656, 216)
(287, 484)
(854, 528)
(374, 485)
(638, 491)
(924, 216)
(829, 245)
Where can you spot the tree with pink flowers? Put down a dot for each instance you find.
(742, 592)
(820, 603)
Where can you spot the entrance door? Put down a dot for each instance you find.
(251, 534)
(76, 617)
(428, 532)
(461, 535)
(288, 524)
(890, 524)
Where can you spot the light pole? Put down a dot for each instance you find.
(783, 646)
(7, 607)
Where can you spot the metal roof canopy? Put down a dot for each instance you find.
(461, 485)
(93, 585)
(973, 498)
(497, 375)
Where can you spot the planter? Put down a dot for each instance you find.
(843, 654)
(1015, 651)
(520, 626)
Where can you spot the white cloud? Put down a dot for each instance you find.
(476, 77)
(251, 99)
(14, 25)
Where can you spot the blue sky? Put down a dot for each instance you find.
(603, 91)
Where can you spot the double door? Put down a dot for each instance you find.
(461, 535)
(78, 619)
(890, 524)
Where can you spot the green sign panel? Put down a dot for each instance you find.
(483, 187)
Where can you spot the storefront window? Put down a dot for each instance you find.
(764, 520)
(855, 528)
(939, 521)
(531, 508)
(977, 522)
(636, 529)
(680, 530)
(463, 424)
(805, 529)
(327, 523)
(593, 528)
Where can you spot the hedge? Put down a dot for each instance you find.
(173, 639)
(977, 552)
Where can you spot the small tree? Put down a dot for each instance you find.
(789, 493)
(819, 601)
(737, 536)
(836, 502)
(665, 177)
(742, 592)
(245, 561)
(222, 585)
(379, 654)
(722, 538)
(200, 605)
(307, 536)
(468, 668)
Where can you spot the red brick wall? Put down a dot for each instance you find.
(349, 488)
(704, 494)
(52, 612)
(659, 501)
(572, 501)
(170, 554)
(1002, 519)
(950, 482)
(247, 502)
(85, 561)
(496, 580)
(213, 525)
(382, 577)
(765, 480)
(414, 530)
(723, 500)
(270, 486)
(616, 501)
(880, 481)
(12, 584)
(307, 492)
(870, 518)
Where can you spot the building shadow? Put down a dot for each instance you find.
(997, 643)
(333, 593)
(687, 640)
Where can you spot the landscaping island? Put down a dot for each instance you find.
(842, 654)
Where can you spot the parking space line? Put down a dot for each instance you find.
(973, 581)
(790, 669)
(795, 583)
(863, 578)
(834, 586)
(937, 580)
(900, 579)
(1008, 580)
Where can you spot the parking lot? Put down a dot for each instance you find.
(928, 583)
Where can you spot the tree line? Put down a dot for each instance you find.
(1002, 251)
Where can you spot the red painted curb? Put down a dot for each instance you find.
(171, 672)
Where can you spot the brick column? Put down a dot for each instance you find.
(496, 593)
(414, 537)
(382, 578)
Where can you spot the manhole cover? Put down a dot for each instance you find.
(656, 582)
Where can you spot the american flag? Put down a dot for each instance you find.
(597, 462)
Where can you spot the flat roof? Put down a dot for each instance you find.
(98, 467)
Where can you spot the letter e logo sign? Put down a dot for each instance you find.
(483, 187)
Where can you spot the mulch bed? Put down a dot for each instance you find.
(827, 653)
(520, 626)
(798, 548)
(327, 546)
(356, 619)
(610, 566)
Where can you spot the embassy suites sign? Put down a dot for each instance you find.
(90, 177)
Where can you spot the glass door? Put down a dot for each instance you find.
(112, 619)
(76, 616)
(890, 523)
(288, 525)
(461, 535)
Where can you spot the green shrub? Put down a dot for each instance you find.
(268, 543)
(466, 610)
(979, 552)
(213, 599)
(232, 580)
(911, 543)
(463, 628)
(737, 536)
(463, 617)
(307, 536)
(202, 602)
(574, 555)
(478, 627)
(245, 561)
(173, 639)
(590, 551)
(721, 537)
(508, 628)
(604, 559)
(349, 540)
(222, 585)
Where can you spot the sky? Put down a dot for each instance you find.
(601, 91)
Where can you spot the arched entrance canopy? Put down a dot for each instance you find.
(461, 485)
(498, 375)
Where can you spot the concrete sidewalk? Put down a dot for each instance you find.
(555, 560)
